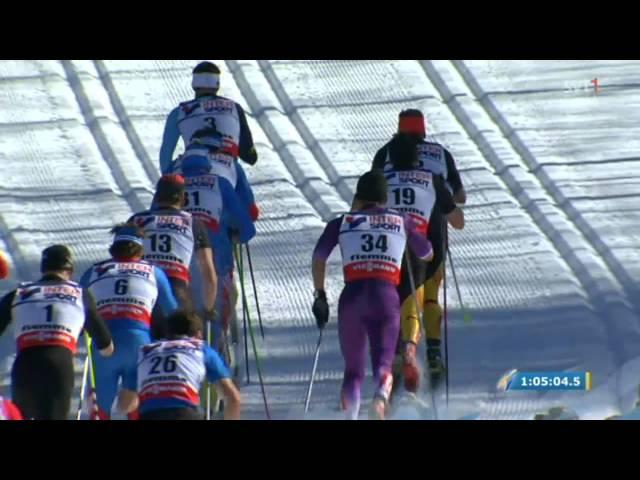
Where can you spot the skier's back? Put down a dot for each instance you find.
(208, 110)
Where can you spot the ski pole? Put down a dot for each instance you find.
(313, 372)
(208, 389)
(244, 316)
(466, 316)
(94, 414)
(415, 299)
(83, 387)
(253, 343)
(255, 291)
(446, 317)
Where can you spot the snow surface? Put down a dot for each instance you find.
(548, 263)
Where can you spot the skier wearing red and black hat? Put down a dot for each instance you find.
(172, 236)
(436, 159)
(432, 156)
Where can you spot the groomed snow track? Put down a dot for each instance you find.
(548, 262)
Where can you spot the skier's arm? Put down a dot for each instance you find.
(326, 243)
(380, 158)
(173, 166)
(165, 305)
(235, 207)
(96, 326)
(245, 193)
(446, 204)
(416, 241)
(5, 310)
(169, 140)
(86, 276)
(204, 257)
(166, 298)
(454, 180)
(247, 150)
(233, 399)
(218, 372)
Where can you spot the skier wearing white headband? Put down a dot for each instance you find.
(211, 112)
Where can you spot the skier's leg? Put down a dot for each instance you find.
(182, 292)
(410, 320)
(107, 374)
(352, 333)
(42, 382)
(383, 327)
(127, 397)
(433, 320)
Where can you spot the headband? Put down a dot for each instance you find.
(205, 80)
(128, 238)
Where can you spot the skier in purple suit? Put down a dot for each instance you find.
(372, 240)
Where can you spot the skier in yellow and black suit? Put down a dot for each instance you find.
(437, 207)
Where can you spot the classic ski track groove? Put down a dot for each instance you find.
(589, 234)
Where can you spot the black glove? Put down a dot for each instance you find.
(321, 309)
(234, 235)
(251, 156)
(209, 315)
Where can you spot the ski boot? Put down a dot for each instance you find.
(378, 408)
(410, 368)
(350, 411)
(380, 403)
(434, 362)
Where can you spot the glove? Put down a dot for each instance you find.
(254, 212)
(210, 315)
(234, 235)
(251, 157)
(321, 309)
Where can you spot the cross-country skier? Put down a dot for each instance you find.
(372, 240)
(209, 142)
(171, 373)
(423, 196)
(208, 110)
(48, 316)
(131, 295)
(212, 199)
(210, 196)
(434, 158)
(172, 236)
(8, 410)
